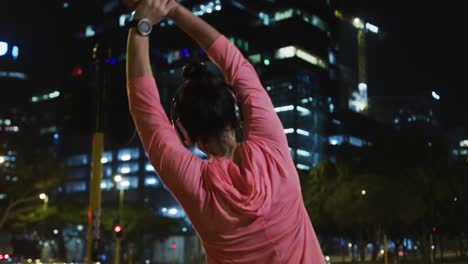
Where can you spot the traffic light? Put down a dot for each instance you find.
(118, 231)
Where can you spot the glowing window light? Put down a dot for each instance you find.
(218, 7)
(307, 56)
(123, 19)
(103, 185)
(286, 52)
(288, 130)
(104, 160)
(372, 28)
(282, 15)
(89, 31)
(305, 101)
(435, 95)
(303, 110)
(464, 143)
(302, 167)
(125, 184)
(125, 157)
(3, 48)
(54, 94)
(151, 181)
(302, 152)
(303, 132)
(15, 52)
(362, 87)
(125, 170)
(172, 211)
(284, 108)
(255, 58)
(34, 99)
(149, 167)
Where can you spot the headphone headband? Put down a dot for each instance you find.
(177, 124)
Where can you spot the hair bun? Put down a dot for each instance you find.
(194, 70)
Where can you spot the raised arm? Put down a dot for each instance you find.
(260, 120)
(179, 169)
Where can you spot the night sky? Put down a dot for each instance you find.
(424, 49)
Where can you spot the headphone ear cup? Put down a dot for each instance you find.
(183, 134)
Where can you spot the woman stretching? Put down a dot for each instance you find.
(245, 202)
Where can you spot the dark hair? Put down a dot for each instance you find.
(206, 105)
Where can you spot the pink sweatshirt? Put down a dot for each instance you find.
(248, 214)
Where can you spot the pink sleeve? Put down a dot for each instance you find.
(177, 167)
(260, 119)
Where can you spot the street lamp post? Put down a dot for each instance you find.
(45, 198)
(120, 183)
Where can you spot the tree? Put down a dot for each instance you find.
(25, 179)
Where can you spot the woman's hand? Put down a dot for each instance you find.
(154, 10)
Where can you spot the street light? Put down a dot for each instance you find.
(118, 178)
(44, 197)
(363, 192)
(2, 159)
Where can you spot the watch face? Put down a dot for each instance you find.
(144, 27)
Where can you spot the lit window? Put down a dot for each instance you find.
(284, 108)
(288, 130)
(336, 140)
(149, 167)
(464, 143)
(129, 167)
(106, 184)
(306, 56)
(291, 51)
(282, 15)
(356, 141)
(172, 212)
(255, 59)
(3, 48)
(129, 182)
(45, 97)
(286, 52)
(318, 22)
(303, 153)
(123, 19)
(106, 157)
(303, 111)
(151, 181)
(89, 32)
(15, 52)
(372, 28)
(128, 154)
(302, 132)
(302, 167)
(331, 57)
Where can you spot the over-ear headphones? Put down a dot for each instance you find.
(177, 123)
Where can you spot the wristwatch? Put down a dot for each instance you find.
(143, 26)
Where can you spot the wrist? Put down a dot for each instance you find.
(174, 11)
